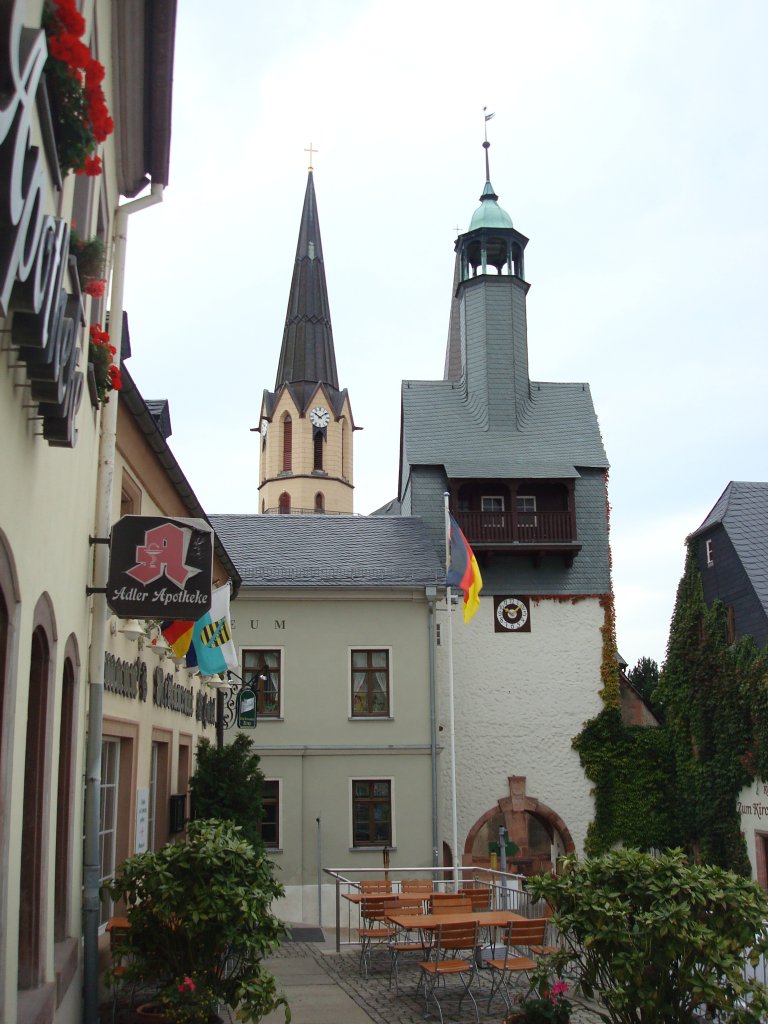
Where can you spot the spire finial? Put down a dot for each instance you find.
(486, 143)
(311, 151)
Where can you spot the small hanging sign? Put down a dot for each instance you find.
(246, 708)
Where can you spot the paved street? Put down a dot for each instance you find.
(325, 987)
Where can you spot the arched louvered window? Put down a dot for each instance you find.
(319, 502)
(284, 504)
(287, 443)
(318, 464)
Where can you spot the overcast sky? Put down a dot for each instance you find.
(629, 144)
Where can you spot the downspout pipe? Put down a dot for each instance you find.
(431, 593)
(100, 613)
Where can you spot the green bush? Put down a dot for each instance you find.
(201, 910)
(227, 785)
(655, 939)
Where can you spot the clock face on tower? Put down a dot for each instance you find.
(512, 615)
(319, 417)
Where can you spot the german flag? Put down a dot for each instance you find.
(463, 571)
(178, 635)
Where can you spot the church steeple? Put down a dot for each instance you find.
(306, 422)
(307, 352)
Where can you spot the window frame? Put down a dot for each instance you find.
(709, 552)
(248, 672)
(369, 715)
(490, 499)
(353, 800)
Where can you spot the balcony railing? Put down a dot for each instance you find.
(494, 529)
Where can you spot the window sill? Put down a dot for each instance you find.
(371, 718)
(261, 719)
(269, 850)
(372, 849)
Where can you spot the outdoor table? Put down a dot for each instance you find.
(430, 922)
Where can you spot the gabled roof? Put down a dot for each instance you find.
(742, 511)
(558, 433)
(345, 551)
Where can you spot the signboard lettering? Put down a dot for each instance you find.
(246, 708)
(34, 246)
(160, 568)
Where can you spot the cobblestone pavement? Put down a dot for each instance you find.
(385, 1006)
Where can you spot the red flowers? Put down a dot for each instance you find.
(95, 288)
(100, 353)
(81, 117)
(187, 985)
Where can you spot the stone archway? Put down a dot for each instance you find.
(533, 826)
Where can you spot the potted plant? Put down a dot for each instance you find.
(106, 376)
(549, 1006)
(90, 258)
(78, 108)
(200, 924)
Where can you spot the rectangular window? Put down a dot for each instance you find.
(370, 683)
(262, 671)
(270, 814)
(492, 503)
(371, 812)
(108, 804)
(526, 503)
(710, 553)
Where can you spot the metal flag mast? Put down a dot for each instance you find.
(451, 726)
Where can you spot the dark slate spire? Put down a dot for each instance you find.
(307, 352)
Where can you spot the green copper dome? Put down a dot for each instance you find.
(489, 214)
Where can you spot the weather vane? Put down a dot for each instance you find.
(311, 151)
(486, 143)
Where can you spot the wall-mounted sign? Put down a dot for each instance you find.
(160, 568)
(246, 708)
(511, 615)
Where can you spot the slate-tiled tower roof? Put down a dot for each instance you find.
(307, 353)
(742, 512)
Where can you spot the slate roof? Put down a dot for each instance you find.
(558, 432)
(742, 511)
(344, 551)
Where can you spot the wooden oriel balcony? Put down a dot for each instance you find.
(534, 533)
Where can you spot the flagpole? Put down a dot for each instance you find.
(451, 726)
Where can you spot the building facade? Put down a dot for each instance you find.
(333, 627)
(522, 467)
(731, 548)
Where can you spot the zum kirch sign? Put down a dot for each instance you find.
(160, 568)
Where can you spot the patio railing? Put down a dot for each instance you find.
(507, 890)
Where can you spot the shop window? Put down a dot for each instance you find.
(64, 802)
(33, 835)
(108, 820)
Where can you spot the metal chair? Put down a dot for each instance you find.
(518, 936)
(374, 931)
(401, 942)
(451, 939)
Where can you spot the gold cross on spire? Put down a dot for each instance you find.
(311, 151)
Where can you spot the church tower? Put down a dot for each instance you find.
(306, 422)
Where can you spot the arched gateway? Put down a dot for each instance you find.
(539, 832)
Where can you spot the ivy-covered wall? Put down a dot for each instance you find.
(678, 784)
